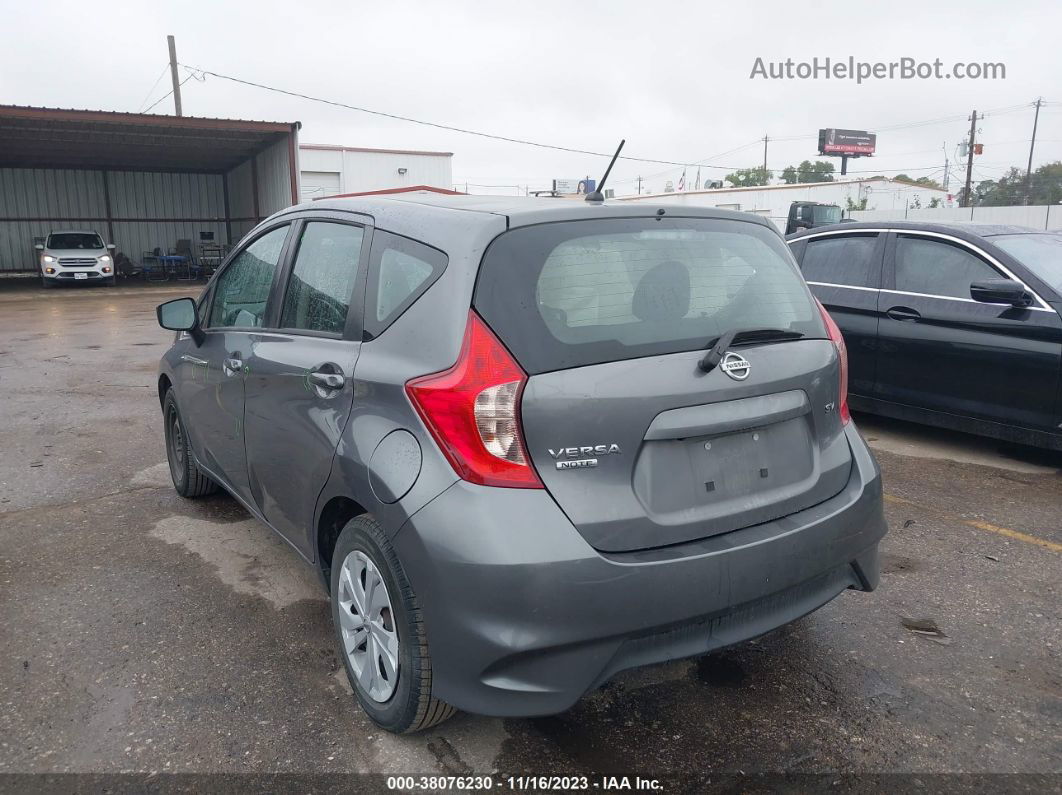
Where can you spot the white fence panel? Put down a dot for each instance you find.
(1036, 217)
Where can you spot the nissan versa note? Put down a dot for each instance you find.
(527, 443)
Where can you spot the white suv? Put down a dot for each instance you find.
(75, 256)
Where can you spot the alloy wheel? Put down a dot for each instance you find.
(367, 625)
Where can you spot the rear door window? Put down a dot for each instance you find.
(938, 267)
(848, 260)
(570, 294)
(322, 279)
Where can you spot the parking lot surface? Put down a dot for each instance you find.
(143, 632)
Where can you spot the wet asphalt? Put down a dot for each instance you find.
(143, 632)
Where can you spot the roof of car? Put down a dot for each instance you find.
(962, 228)
(518, 210)
(73, 232)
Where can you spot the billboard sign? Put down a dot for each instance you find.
(846, 142)
(567, 187)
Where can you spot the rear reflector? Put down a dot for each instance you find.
(842, 351)
(473, 411)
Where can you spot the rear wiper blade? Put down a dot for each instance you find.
(720, 344)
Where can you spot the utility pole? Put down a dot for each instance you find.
(173, 75)
(765, 140)
(1032, 145)
(639, 186)
(967, 198)
(946, 167)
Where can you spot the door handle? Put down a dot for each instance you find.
(902, 313)
(327, 379)
(233, 364)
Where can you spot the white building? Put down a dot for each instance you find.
(330, 170)
(773, 201)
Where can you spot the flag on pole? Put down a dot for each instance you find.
(697, 184)
(682, 181)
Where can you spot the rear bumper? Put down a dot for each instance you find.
(523, 616)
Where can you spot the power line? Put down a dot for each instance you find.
(170, 92)
(524, 141)
(438, 126)
(153, 86)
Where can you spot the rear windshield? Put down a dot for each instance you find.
(571, 294)
(1040, 253)
(827, 215)
(71, 240)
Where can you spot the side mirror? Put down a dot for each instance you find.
(180, 314)
(110, 246)
(39, 246)
(1001, 291)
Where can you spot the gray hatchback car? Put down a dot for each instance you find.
(527, 443)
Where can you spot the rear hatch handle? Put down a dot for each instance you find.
(720, 345)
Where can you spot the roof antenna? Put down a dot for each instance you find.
(596, 196)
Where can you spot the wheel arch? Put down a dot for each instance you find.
(333, 518)
(165, 385)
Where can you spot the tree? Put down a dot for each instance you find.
(926, 181)
(819, 171)
(935, 202)
(851, 205)
(745, 177)
(1045, 187)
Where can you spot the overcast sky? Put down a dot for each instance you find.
(672, 78)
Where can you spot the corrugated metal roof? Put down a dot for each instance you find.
(36, 137)
(147, 116)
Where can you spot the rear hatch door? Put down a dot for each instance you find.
(639, 445)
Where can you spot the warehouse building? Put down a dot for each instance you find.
(142, 181)
(773, 201)
(334, 170)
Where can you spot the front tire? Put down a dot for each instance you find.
(380, 631)
(188, 479)
(47, 284)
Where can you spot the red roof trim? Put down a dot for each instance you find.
(410, 189)
(334, 148)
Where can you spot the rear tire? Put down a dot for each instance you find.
(188, 479)
(403, 703)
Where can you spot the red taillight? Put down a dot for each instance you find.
(842, 352)
(473, 411)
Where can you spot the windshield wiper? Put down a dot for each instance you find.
(720, 344)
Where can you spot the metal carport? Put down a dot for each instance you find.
(141, 180)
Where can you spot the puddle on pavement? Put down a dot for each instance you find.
(248, 557)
